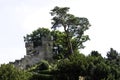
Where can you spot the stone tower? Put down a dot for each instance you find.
(36, 54)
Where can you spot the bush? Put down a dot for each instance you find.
(9, 72)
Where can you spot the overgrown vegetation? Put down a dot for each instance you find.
(9, 72)
(69, 63)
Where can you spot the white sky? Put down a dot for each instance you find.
(21, 17)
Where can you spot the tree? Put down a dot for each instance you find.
(73, 67)
(96, 54)
(37, 35)
(112, 54)
(9, 72)
(74, 27)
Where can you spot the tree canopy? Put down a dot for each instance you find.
(74, 27)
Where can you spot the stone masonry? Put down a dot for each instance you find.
(35, 54)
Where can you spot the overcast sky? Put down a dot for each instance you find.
(21, 17)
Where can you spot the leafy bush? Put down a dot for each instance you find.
(9, 72)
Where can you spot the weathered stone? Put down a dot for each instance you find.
(35, 54)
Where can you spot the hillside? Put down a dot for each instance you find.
(55, 55)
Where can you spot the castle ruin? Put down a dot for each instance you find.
(35, 54)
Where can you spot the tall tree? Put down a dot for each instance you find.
(112, 54)
(74, 27)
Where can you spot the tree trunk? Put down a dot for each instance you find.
(69, 44)
(70, 47)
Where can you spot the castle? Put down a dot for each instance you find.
(35, 54)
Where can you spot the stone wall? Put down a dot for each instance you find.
(35, 54)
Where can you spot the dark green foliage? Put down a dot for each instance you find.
(102, 68)
(112, 54)
(37, 35)
(95, 53)
(73, 67)
(42, 77)
(91, 67)
(9, 72)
